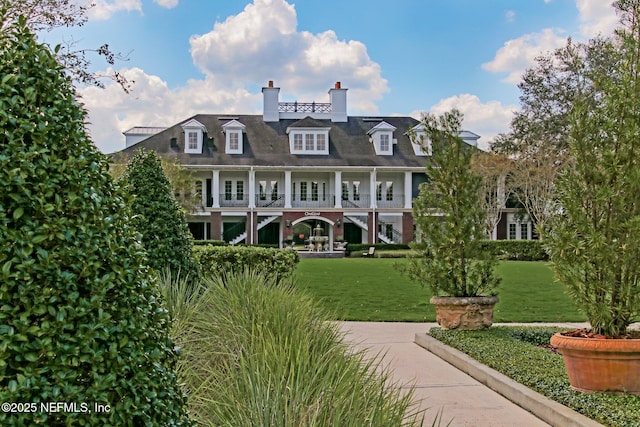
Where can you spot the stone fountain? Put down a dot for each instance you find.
(318, 242)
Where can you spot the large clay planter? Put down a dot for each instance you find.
(464, 313)
(601, 365)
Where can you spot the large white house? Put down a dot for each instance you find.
(277, 176)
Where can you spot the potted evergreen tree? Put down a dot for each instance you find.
(450, 223)
(594, 240)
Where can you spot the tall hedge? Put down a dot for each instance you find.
(80, 322)
(220, 261)
(159, 217)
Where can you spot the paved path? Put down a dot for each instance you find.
(438, 385)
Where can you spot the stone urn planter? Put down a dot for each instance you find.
(464, 313)
(600, 364)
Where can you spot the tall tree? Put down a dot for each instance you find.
(159, 217)
(449, 217)
(81, 319)
(538, 140)
(493, 170)
(595, 243)
(46, 15)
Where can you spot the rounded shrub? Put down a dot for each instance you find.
(80, 321)
(159, 217)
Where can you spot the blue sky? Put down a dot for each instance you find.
(401, 58)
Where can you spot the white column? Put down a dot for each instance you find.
(408, 187)
(215, 188)
(287, 189)
(338, 189)
(252, 188)
(372, 188)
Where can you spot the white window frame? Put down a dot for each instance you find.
(194, 129)
(376, 137)
(515, 225)
(234, 129)
(385, 142)
(309, 141)
(192, 140)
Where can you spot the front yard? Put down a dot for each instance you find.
(366, 289)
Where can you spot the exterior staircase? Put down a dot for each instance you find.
(243, 236)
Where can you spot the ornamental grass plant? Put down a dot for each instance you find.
(256, 352)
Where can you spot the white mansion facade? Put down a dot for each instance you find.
(275, 177)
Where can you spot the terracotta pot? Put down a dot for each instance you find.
(600, 365)
(464, 313)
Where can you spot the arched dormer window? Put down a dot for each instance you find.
(193, 135)
(234, 131)
(381, 136)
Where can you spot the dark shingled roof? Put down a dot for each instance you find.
(267, 144)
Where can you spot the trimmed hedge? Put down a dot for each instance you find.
(512, 250)
(210, 243)
(158, 216)
(516, 250)
(225, 260)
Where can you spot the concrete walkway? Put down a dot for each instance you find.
(438, 384)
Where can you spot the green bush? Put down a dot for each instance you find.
(158, 216)
(259, 353)
(516, 353)
(516, 250)
(223, 260)
(209, 243)
(80, 321)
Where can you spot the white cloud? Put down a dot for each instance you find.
(259, 44)
(104, 9)
(598, 17)
(169, 4)
(510, 15)
(262, 43)
(487, 119)
(516, 55)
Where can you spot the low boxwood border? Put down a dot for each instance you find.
(517, 353)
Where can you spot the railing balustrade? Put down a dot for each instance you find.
(233, 201)
(270, 201)
(304, 107)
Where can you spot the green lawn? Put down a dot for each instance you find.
(373, 290)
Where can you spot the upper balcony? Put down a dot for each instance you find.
(362, 201)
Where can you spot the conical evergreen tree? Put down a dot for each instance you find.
(159, 217)
(80, 322)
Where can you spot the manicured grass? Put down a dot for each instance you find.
(373, 290)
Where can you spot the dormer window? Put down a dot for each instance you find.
(381, 136)
(193, 136)
(419, 141)
(234, 131)
(308, 141)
